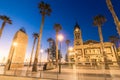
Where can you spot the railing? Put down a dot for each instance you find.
(69, 71)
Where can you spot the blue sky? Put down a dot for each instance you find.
(25, 13)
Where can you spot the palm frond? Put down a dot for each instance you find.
(99, 20)
(35, 35)
(44, 8)
(6, 19)
(67, 42)
(49, 39)
(57, 27)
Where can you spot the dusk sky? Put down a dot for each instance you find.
(25, 13)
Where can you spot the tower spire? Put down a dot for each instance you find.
(77, 35)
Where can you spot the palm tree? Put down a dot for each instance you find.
(44, 10)
(50, 40)
(99, 20)
(113, 39)
(57, 28)
(67, 43)
(5, 20)
(35, 35)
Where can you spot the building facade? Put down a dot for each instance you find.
(17, 50)
(90, 51)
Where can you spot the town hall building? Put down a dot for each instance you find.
(90, 51)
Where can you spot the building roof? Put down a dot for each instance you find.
(90, 41)
(23, 30)
(76, 26)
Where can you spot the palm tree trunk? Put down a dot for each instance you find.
(102, 47)
(83, 54)
(49, 52)
(56, 49)
(9, 61)
(32, 51)
(60, 59)
(48, 55)
(100, 34)
(67, 54)
(1, 30)
(38, 45)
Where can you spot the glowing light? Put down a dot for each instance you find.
(41, 50)
(70, 48)
(60, 37)
(15, 44)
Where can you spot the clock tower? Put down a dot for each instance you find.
(77, 36)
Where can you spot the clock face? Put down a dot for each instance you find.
(77, 29)
(77, 43)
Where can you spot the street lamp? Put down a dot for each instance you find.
(70, 49)
(15, 44)
(10, 58)
(41, 51)
(60, 38)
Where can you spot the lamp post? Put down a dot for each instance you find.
(11, 56)
(70, 51)
(60, 38)
(3, 60)
(41, 51)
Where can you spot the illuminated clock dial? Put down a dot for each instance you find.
(77, 29)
